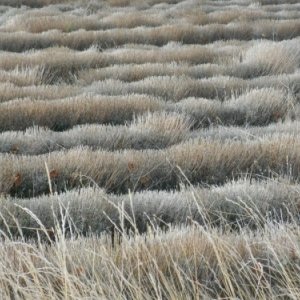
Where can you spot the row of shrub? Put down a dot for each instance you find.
(61, 65)
(172, 88)
(63, 114)
(237, 133)
(255, 107)
(187, 34)
(128, 3)
(67, 3)
(156, 130)
(103, 18)
(196, 161)
(235, 205)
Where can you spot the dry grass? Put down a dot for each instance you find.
(149, 149)
(183, 263)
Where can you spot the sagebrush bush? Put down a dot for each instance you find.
(259, 107)
(269, 58)
(205, 112)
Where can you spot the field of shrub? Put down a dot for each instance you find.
(149, 149)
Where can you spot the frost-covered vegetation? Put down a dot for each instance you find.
(149, 149)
